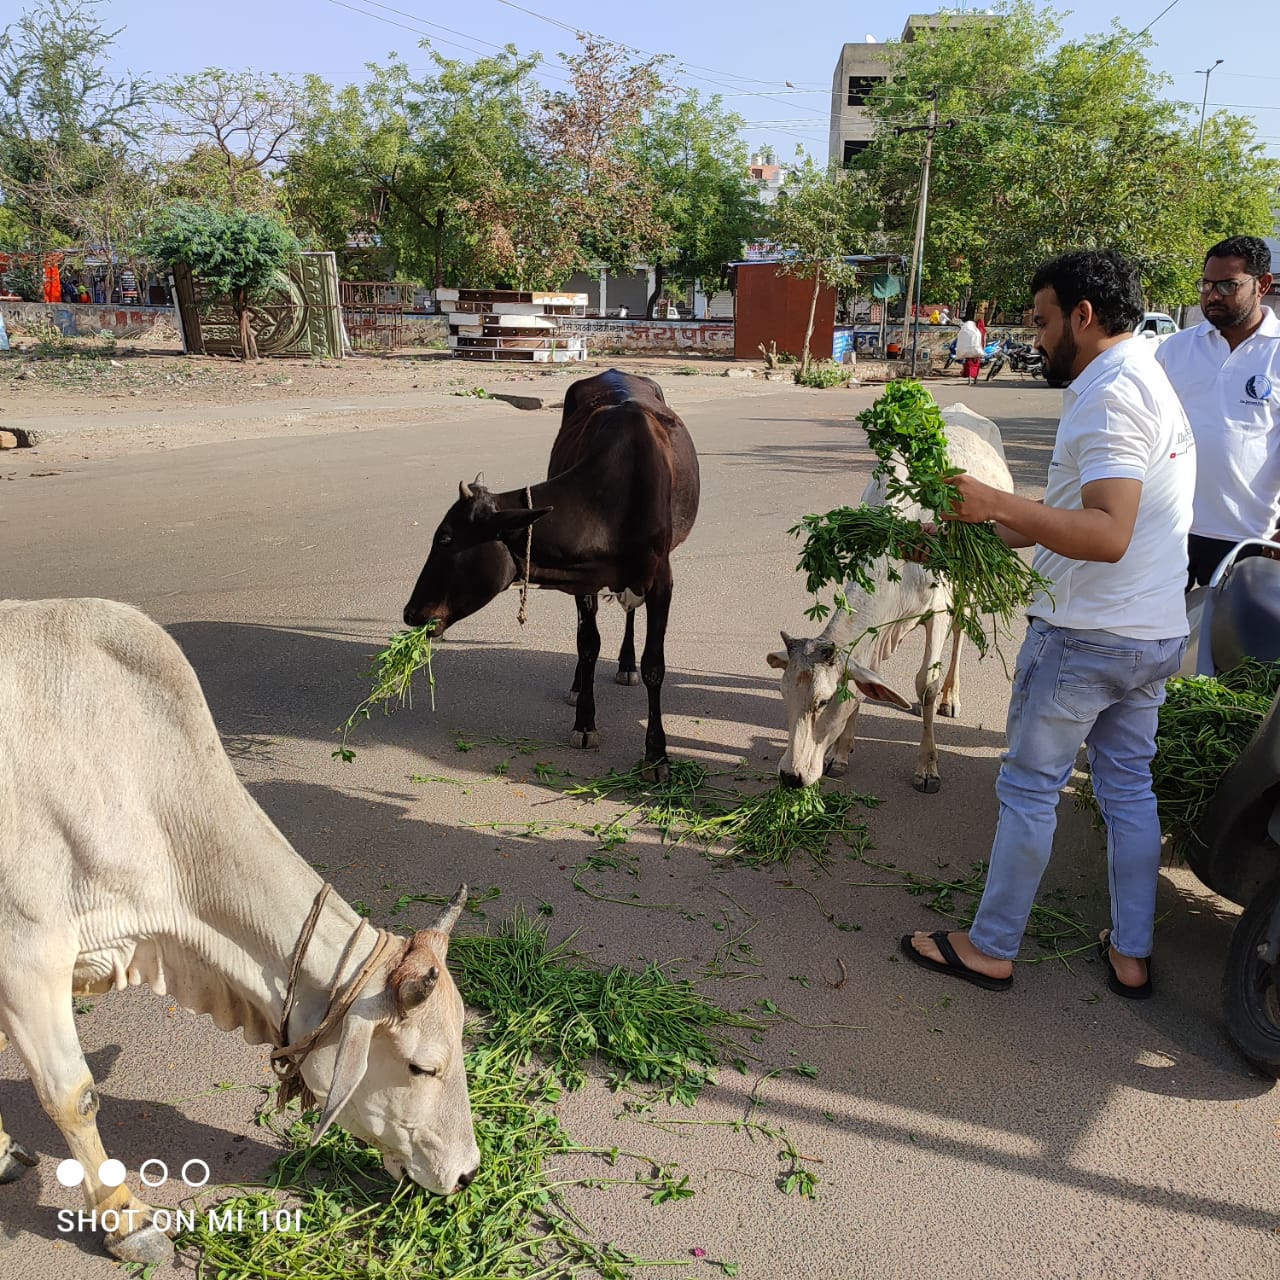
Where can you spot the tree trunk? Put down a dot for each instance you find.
(439, 248)
(813, 311)
(659, 278)
(248, 344)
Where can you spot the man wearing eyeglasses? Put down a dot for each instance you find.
(1226, 372)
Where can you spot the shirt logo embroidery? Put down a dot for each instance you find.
(1258, 387)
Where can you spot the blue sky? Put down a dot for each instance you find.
(747, 51)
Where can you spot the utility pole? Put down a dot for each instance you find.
(1205, 102)
(915, 279)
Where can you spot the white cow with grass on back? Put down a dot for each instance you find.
(821, 727)
(131, 853)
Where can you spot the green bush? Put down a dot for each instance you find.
(824, 374)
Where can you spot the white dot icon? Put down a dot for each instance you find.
(111, 1173)
(70, 1173)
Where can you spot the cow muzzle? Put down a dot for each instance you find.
(416, 616)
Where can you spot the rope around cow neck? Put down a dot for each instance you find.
(523, 616)
(287, 1059)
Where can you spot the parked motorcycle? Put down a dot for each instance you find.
(1021, 357)
(988, 352)
(1238, 855)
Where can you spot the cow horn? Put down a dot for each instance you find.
(464, 491)
(478, 482)
(787, 640)
(449, 917)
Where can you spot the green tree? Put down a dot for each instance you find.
(819, 218)
(408, 162)
(234, 254)
(582, 200)
(696, 161)
(58, 104)
(1055, 145)
(106, 197)
(239, 127)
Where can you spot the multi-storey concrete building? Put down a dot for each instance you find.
(859, 69)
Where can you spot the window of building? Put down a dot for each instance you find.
(860, 88)
(853, 147)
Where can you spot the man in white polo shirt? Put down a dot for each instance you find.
(1111, 537)
(1226, 372)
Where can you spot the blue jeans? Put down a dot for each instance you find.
(1070, 687)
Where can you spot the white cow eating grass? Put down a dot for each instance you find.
(131, 853)
(821, 727)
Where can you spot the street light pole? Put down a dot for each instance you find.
(1205, 102)
(915, 279)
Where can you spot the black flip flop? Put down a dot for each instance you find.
(1144, 992)
(954, 966)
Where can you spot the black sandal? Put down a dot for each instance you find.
(1144, 992)
(954, 966)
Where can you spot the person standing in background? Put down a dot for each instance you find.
(1226, 372)
(971, 342)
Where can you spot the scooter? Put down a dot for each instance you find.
(1238, 854)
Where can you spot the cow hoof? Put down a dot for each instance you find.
(147, 1246)
(585, 741)
(656, 771)
(928, 785)
(15, 1162)
(572, 697)
(835, 768)
(627, 677)
(949, 709)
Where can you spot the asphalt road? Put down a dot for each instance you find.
(1052, 1131)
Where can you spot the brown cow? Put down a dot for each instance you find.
(621, 493)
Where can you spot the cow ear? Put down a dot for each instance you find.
(777, 660)
(415, 977)
(499, 522)
(349, 1068)
(871, 685)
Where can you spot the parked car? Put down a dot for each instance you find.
(1156, 327)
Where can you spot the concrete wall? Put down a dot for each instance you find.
(76, 321)
(702, 337)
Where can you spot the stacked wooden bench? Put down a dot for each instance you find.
(503, 324)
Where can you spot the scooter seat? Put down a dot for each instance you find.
(1246, 614)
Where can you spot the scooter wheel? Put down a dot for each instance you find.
(995, 367)
(1251, 987)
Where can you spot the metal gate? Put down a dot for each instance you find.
(373, 312)
(298, 316)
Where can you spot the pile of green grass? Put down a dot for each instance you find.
(760, 829)
(392, 672)
(546, 1018)
(1204, 725)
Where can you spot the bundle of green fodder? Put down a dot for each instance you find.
(392, 672)
(548, 1013)
(1205, 723)
(990, 583)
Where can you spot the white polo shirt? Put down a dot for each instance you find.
(1232, 399)
(1121, 420)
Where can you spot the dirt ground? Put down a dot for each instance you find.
(78, 399)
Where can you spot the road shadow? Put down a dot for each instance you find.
(263, 681)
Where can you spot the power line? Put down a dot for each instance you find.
(537, 72)
(646, 53)
(417, 31)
